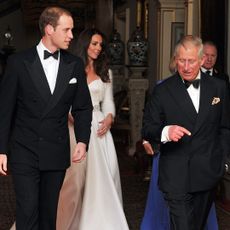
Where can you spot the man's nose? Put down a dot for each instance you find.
(70, 34)
(186, 64)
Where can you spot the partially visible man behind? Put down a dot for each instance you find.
(38, 89)
(210, 52)
(188, 114)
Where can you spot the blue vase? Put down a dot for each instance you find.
(116, 49)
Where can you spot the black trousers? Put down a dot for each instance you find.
(189, 211)
(37, 194)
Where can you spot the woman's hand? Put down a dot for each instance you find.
(105, 125)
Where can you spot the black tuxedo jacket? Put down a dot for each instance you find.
(33, 122)
(196, 162)
(222, 76)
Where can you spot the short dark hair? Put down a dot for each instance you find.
(210, 43)
(50, 16)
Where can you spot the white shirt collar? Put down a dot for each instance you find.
(40, 48)
(204, 70)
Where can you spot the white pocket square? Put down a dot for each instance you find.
(215, 100)
(73, 81)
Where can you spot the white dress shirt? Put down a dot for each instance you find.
(195, 97)
(50, 66)
(204, 70)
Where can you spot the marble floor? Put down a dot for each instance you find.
(134, 188)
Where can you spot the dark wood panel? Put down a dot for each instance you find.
(214, 27)
(83, 11)
(7, 6)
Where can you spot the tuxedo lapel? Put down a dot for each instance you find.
(65, 73)
(206, 95)
(36, 72)
(180, 94)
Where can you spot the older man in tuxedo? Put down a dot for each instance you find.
(40, 86)
(188, 114)
(210, 52)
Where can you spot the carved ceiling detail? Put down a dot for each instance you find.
(83, 11)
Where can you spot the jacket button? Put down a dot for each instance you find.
(40, 138)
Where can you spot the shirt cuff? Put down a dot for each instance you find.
(164, 134)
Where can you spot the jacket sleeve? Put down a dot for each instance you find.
(108, 101)
(153, 119)
(82, 106)
(225, 123)
(8, 95)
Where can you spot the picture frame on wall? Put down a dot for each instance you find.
(177, 32)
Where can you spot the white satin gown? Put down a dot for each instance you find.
(91, 197)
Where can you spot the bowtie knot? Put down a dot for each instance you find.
(208, 72)
(47, 54)
(195, 83)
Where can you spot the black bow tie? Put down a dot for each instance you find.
(195, 83)
(208, 72)
(47, 54)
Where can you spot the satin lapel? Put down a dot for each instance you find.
(181, 96)
(206, 95)
(34, 67)
(65, 73)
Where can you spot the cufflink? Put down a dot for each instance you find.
(145, 142)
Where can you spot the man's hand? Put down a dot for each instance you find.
(148, 147)
(176, 132)
(79, 152)
(3, 164)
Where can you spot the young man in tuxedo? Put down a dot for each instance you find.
(188, 114)
(38, 89)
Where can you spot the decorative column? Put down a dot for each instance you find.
(115, 52)
(137, 47)
(146, 18)
(139, 13)
(120, 82)
(170, 12)
(137, 90)
(192, 17)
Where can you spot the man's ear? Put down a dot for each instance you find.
(49, 29)
(203, 59)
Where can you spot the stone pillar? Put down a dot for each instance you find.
(137, 91)
(192, 17)
(120, 81)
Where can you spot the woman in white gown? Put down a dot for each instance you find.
(91, 197)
